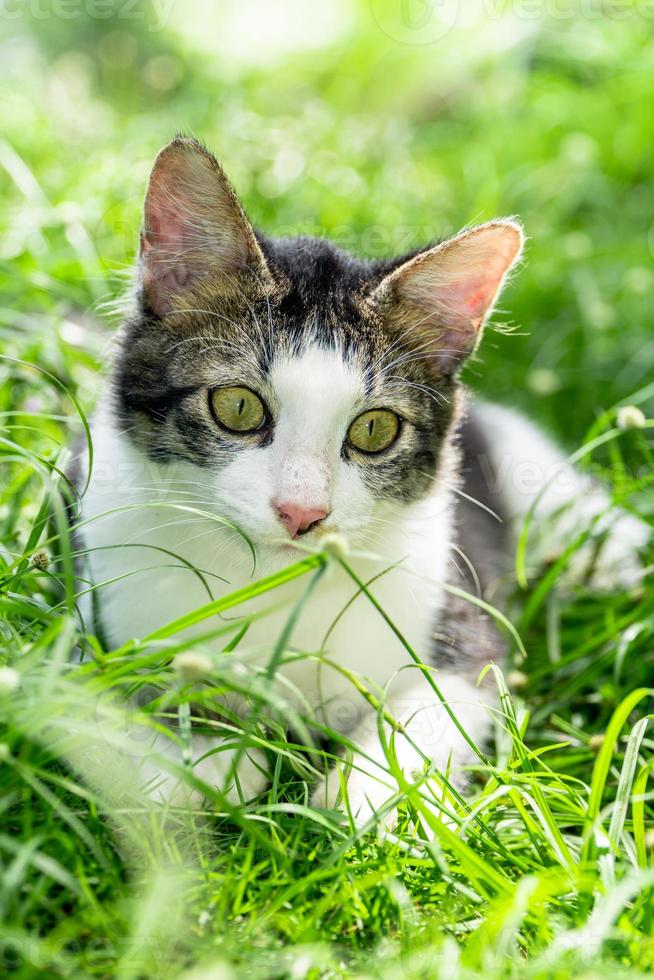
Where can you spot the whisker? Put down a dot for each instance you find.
(478, 503)
(471, 568)
(437, 396)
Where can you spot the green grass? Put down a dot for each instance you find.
(547, 869)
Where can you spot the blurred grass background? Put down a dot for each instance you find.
(380, 124)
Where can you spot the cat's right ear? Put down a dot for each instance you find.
(444, 295)
(194, 229)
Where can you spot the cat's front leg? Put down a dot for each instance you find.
(239, 774)
(527, 472)
(364, 785)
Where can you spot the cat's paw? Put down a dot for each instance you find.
(374, 805)
(239, 778)
(363, 796)
(239, 786)
(616, 564)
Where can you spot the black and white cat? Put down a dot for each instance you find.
(299, 392)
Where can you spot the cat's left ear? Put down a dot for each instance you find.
(194, 229)
(445, 295)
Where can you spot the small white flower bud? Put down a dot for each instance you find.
(543, 381)
(517, 680)
(631, 417)
(335, 546)
(191, 665)
(9, 680)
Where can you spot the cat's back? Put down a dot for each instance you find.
(482, 532)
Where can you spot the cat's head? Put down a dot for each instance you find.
(302, 390)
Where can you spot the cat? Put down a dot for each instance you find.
(291, 397)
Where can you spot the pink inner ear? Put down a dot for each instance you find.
(193, 225)
(164, 228)
(166, 234)
(166, 238)
(455, 285)
(478, 301)
(460, 304)
(466, 300)
(164, 269)
(466, 275)
(164, 221)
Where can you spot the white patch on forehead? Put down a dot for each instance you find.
(317, 395)
(319, 387)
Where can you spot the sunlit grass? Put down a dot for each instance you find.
(545, 863)
(545, 867)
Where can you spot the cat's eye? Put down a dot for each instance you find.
(374, 430)
(238, 409)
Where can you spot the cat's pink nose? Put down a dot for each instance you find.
(299, 519)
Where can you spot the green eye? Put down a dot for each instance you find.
(374, 431)
(238, 409)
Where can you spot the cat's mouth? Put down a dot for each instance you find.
(312, 540)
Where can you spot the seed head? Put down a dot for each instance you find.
(191, 665)
(335, 546)
(40, 560)
(596, 741)
(631, 417)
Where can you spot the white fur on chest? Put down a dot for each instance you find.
(127, 517)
